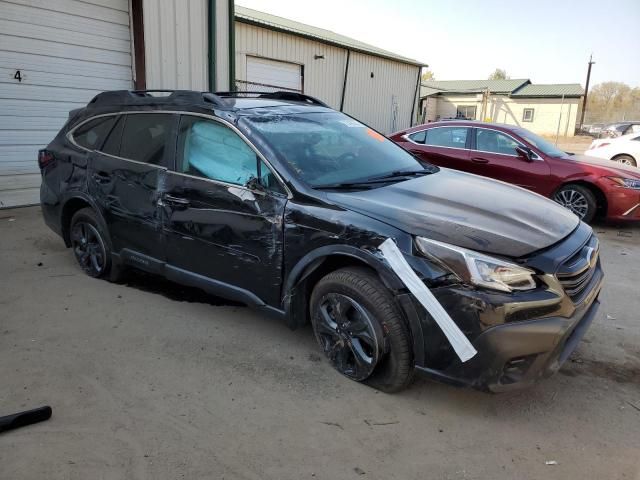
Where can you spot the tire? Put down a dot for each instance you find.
(626, 159)
(368, 324)
(579, 200)
(91, 244)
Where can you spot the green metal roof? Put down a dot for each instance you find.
(550, 90)
(472, 86)
(248, 15)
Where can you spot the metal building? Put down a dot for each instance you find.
(375, 86)
(55, 55)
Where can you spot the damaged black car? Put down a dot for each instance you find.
(277, 201)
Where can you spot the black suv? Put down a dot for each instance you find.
(279, 202)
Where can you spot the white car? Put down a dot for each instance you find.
(625, 149)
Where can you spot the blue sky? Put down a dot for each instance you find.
(546, 41)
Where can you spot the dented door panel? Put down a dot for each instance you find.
(225, 232)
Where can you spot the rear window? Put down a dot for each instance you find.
(145, 137)
(91, 135)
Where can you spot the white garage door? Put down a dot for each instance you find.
(272, 75)
(55, 55)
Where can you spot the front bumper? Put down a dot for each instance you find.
(520, 338)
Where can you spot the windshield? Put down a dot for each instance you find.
(540, 143)
(332, 148)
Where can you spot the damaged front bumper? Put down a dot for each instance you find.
(512, 354)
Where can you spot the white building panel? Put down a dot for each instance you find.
(66, 51)
(323, 64)
(381, 92)
(176, 44)
(274, 74)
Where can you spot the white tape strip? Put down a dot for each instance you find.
(458, 341)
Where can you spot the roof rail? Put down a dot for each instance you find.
(278, 95)
(146, 97)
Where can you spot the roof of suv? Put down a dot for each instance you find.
(230, 101)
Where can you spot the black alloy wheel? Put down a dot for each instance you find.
(348, 336)
(89, 249)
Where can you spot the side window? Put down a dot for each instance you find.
(527, 115)
(495, 142)
(268, 179)
(211, 150)
(91, 135)
(112, 143)
(419, 137)
(454, 137)
(145, 137)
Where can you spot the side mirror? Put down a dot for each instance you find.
(254, 184)
(525, 153)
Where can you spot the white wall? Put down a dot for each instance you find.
(323, 77)
(367, 99)
(67, 51)
(176, 44)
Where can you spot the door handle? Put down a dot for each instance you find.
(479, 160)
(177, 201)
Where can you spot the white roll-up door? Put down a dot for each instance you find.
(55, 55)
(271, 75)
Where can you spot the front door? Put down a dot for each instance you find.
(493, 155)
(223, 211)
(123, 178)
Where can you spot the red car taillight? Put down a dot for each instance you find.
(45, 157)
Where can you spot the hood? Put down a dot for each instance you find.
(466, 210)
(616, 169)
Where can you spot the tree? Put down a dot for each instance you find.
(428, 76)
(499, 74)
(611, 102)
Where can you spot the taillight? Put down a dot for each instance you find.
(602, 145)
(45, 157)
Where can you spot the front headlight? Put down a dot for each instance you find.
(626, 182)
(477, 268)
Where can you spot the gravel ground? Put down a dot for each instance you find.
(148, 379)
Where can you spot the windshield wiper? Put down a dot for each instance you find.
(372, 182)
(403, 173)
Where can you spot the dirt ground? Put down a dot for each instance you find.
(577, 144)
(149, 380)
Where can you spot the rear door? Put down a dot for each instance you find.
(216, 225)
(443, 146)
(123, 179)
(493, 155)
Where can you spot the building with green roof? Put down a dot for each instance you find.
(545, 109)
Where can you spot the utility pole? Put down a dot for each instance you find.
(586, 91)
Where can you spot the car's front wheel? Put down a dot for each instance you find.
(90, 243)
(360, 329)
(580, 200)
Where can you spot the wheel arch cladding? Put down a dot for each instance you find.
(71, 206)
(320, 262)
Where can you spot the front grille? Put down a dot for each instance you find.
(575, 274)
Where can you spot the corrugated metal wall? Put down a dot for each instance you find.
(67, 51)
(384, 101)
(323, 77)
(222, 46)
(176, 44)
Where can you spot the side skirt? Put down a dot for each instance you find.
(185, 277)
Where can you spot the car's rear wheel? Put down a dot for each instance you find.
(580, 200)
(626, 160)
(90, 243)
(360, 329)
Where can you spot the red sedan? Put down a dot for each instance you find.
(585, 185)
